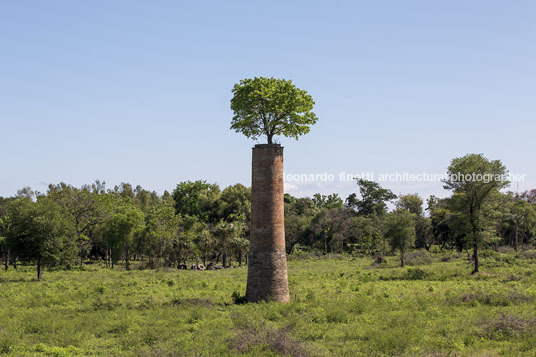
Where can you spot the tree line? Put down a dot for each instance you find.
(199, 222)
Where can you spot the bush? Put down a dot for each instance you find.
(238, 298)
(505, 250)
(418, 257)
(248, 338)
(529, 254)
(507, 326)
(415, 274)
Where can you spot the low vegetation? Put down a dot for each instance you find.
(341, 306)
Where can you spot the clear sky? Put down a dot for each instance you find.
(139, 91)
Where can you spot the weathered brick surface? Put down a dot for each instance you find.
(267, 261)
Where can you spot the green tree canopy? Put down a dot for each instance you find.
(400, 229)
(474, 179)
(270, 106)
(373, 198)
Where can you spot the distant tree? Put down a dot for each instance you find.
(529, 196)
(5, 222)
(197, 199)
(366, 234)
(190, 228)
(400, 230)
(84, 208)
(270, 106)
(299, 213)
(42, 233)
(423, 225)
(204, 242)
(161, 226)
(411, 202)
(474, 179)
(373, 198)
(121, 229)
(331, 228)
(519, 220)
(223, 232)
(235, 201)
(424, 236)
(330, 201)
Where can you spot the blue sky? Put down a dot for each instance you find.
(139, 91)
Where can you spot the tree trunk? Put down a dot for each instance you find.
(475, 256)
(516, 242)
(6, 259)
(39, 268)
(224, 259)
(474, 228)
(402, 259)
(240, 258)
(127, 259)
(269, 137)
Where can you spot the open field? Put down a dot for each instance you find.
(340, 307)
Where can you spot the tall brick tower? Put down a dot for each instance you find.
(267, 260)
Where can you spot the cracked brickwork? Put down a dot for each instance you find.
(267, 260)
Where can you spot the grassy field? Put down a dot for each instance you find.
(340, 307)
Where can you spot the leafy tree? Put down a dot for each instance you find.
(270, 106)
(329, 201)
(423, 232)
(299, 213)
(161, 226)
(423, 225)
(5, 223)
(235, 201)
(474, 179)
(518, 221)
(366, 234)
(331, 228)
(412, 203)
(204, 243)
(226, 232)
(529, 196)
(400, 229)
(121, 229)
(84, 208)
(184, 242)
(42, 233)
(373, 198)
(197, 199)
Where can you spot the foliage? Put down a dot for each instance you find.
(339, 307)
(270, 106)
(400, 229)
(474, 179)
(373, 198)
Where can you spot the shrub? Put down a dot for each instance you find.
(379, 259)
(529, 254)
(415, 274)
(238, 298)
(507, 326)
(505, 249)
(418, 257)
(278, 341)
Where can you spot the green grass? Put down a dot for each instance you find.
(340, 307)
